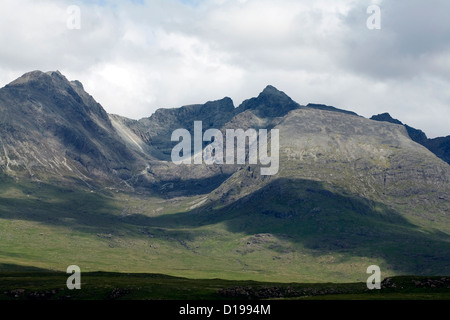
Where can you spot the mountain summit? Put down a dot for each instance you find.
(270, 103)
(50, 126)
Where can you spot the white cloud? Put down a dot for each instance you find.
(136, 56)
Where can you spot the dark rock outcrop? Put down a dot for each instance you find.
(439, 146)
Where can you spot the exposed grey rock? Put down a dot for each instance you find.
(439, 146)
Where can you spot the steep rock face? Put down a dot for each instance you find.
(156, 130)
(439, 146)
(50, 126)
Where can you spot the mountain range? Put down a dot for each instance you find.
(350, 191)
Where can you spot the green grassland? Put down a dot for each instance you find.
(320, 237)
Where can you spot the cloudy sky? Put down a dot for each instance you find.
(137, 56)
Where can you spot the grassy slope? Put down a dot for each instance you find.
(51, 228)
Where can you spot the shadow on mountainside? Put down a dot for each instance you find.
(300, 211)
(8, 267)
(306, 212)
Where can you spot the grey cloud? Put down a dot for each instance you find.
(136, 56)
(412, 33)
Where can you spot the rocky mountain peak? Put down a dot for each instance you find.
(385, 117)
(52, 120)
(54, 86)
(270, 103)
(33, 76)
(39, 76)
(417, 135)
(271, 90)
(46, 80)
(439, 146)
